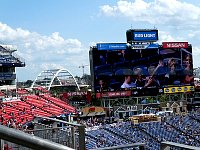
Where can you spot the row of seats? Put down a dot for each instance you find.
(8, 59)
(184, 130)
(23, 110)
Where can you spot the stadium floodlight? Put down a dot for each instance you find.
(83, 67)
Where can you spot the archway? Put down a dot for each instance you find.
(55, 77)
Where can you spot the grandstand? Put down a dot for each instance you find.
(17, 112)
(9, 60)
(178, 129)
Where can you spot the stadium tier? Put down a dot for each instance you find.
(17, 112)
(178, 129)
(8, 62)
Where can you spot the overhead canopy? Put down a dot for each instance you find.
(100, 113)
(91, 114)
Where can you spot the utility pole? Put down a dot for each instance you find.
(83, 67)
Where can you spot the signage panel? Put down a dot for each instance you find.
(145, 36)
(142, 35)
(113, 94)
(181, 89)
(144, 46)
(175, 44)
(111, 46)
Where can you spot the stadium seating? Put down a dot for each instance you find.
(15, 113)
(122, 65)
(179, 129)
(124, 72)
(103, 68)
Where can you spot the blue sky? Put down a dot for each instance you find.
(53, 34)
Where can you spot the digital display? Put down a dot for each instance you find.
(142, 35)
(142, 70)
(145, 36)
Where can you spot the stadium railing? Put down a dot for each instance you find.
(27, 140)
(138, 145)
(166, 145)
(69, 134)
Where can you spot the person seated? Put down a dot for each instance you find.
(170, 76)
(140, 81)
(128, 82)
(102, 86)
(188, 71)
(161, 71)
(151, 81)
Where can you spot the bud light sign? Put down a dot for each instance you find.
(145, 35)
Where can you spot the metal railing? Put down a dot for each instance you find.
(57, 134)
(166, 145)
(138, 145)
(59, 131)
(27, 140)
(19, 58)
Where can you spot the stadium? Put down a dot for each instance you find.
(144, 96)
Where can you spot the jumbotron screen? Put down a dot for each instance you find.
(141, 70)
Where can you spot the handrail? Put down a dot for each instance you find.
(30, 141)
(81, 129)
(164, 146)
(57, 120)
(140, 145)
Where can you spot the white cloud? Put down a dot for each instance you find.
(165, 36)
(44, 52)
(196, 51)
(177, 20)
(156, 12)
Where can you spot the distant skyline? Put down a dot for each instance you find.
(52, 34)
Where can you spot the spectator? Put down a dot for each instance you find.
(160, 72)
(151, 81)
(188, 71)
(140, 81)
(102, 86)
(171, 73)
(127, 82)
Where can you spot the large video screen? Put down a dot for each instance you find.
(142, 69)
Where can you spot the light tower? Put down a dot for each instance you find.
(83, 67)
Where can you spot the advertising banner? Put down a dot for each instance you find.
(113, 94)
(111, 46)
(181, 89)
(175, 44)
(145, 35)
(144, 46)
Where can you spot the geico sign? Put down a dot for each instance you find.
(175, 44)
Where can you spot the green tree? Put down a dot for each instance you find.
(28, 83)
(87, 78)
